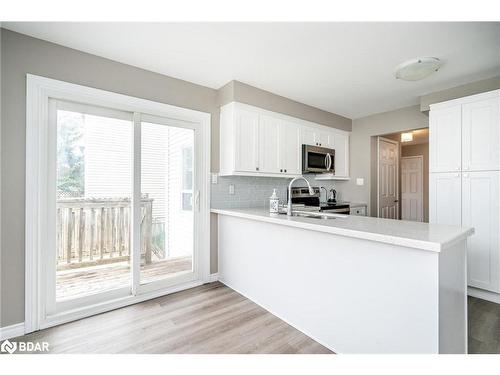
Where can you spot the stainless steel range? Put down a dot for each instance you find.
(300, 195)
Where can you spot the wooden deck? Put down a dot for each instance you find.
(79, 282)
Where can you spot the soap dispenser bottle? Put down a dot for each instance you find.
(274, 203)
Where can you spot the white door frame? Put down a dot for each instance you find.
(379, 138)
(421, 158)
(39, 91)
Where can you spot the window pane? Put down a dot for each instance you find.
(166, 186)
(93, 188)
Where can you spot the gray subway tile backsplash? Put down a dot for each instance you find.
(255, 191)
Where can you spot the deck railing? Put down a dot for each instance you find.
(94, 231)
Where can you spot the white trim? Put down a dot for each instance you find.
(213, 277)
(421, 158)
(11, 331)
(99, 308)
(465, 99)
(39, 91)
(483, 294)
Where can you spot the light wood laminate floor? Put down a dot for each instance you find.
(208, 319)
(215, 319)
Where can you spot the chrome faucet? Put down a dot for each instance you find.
(289, 206)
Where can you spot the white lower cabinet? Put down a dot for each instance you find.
(445, 198)
(480, 209)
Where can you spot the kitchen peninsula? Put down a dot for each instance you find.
(355, 284)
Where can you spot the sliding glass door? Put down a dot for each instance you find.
(167, 188)
(122, 216)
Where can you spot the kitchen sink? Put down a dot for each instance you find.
(316, 215)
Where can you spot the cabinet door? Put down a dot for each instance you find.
(445, 139)
(481, 135)
(322, 138)
(445, 198)
(480, 202)
(290, 148)
(340, 143)
(308, 136)
(246, 141)
(269, 145)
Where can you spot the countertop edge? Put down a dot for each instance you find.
(370, 236)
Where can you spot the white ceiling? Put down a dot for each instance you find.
(345, 68)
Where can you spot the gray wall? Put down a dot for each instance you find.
(361, 160)
(241, 92)
(20, 55)
(459, 92)
(416, 150)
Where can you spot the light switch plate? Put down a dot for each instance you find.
(360, 181)
(231, 189)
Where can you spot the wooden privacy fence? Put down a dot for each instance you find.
(93, 231)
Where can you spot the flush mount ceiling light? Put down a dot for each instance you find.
(417, 69)
(406, 137)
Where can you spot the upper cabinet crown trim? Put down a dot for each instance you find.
(467, 99)
(282, 116)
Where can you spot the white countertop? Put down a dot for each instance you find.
(424, 236)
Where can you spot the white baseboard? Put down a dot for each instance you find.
(14, 330)
(213, 277)
(483, 294)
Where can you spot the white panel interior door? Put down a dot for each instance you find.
(480, 210)
(445, 139)
(445, 198)
(412, 201)
(481, 135)
(269, 144)
(388, 159)
(247, 134)
(290, 148)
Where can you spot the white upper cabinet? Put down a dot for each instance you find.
(481, 135)
(480, 209)
(340, 143)
(256, 142)
(269, 145)
(291, 148)
(313, 136)
(445, 139)
(247, 137)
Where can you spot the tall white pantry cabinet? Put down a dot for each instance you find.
(464, 165)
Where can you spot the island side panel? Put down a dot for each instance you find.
(453, 299)
(351, 295)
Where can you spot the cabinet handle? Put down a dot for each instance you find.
(285, 170)
(281, 170)
(256, 168)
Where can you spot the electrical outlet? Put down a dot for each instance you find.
(231, 189)
(360, 181)
(214, 178)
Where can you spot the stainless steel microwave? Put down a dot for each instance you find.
(318, 159)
